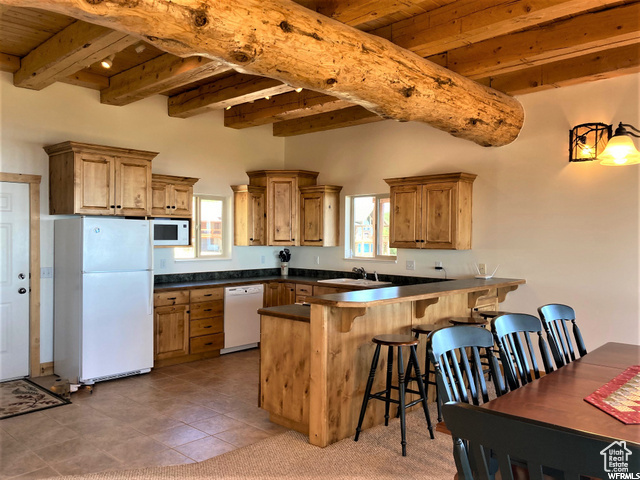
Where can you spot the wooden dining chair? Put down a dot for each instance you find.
(485, 440)
(512, 334)
(554, 320)
(456, 354)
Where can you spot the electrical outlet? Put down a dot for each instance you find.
(482, 268)
(438, 264)
(411, 264)
(262, 259)
(163, 264)
(46, 272)
(317, 260)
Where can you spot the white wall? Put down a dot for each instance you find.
(570, 230)
(197, 147)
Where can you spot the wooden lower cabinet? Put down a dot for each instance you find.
(188, 325)
(279, 293)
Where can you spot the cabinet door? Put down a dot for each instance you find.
(133, 187)
(160, 199)
(271, 293)
(282, 206)
(95, 175)
(405, 221)
(439, 210)
(311, 219)
(256, 218)
(287, 294)
(171, 331)
(182, 200)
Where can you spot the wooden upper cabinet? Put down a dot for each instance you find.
(431, 211)
(172, 196)
(249, 215)
(320, 215)
(282, 202)
(98, 180)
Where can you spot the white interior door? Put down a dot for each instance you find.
(14, 280)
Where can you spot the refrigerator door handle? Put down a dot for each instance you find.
(150, 306)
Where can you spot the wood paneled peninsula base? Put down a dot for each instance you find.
(315, 360)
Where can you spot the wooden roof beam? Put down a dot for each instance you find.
(233, 90)
(158, 75)
(281, 107)
(358, 12)
(472, 21)
(586, 68)
(570, 38)
(74, 48)
(346, 117)
(283, 40)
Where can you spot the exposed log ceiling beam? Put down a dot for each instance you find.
(233, 90)
(158, 75)
(471, 21)
(347, 117)
(281, 39)
(358, 12)
(282, 107)
(74, 48)
(574, 37)
(9, 63)
(595, 66)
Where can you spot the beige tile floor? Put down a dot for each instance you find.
(180, 414)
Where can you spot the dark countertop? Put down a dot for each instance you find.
(410, 293)
(232, 282)
(297, 312)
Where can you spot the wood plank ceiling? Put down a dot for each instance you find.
(514, 46)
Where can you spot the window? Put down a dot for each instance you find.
(207, 229)
(368, 227)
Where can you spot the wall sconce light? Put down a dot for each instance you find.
(108, 62)
(621, 149)
(594, 141)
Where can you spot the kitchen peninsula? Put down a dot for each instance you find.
(315, 360)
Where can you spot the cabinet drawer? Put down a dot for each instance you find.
(174, 297)
(206, 326)
(207, 309)
(301, 298)
(207, 343)
(206, 294)
(302, 289)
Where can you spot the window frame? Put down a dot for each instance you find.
(350, 247)
(196, 230)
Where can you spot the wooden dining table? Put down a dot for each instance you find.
(558, 398)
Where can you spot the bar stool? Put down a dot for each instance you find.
(479, 322)
(385, 395)
(490, 314)
(425, 329)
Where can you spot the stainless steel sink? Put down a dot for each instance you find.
(355, 281)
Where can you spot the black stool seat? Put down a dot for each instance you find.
(491, 314)
(481, 322)
(427, 328)
(392, 341)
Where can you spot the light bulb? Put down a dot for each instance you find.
(620, 151)
(107, 62)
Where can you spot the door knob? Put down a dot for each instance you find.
(22, 291)
(21, 276)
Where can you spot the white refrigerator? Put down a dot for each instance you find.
(103, 298)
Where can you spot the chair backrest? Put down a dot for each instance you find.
(554, 319)
(517, 355)
(482, 436)
(457, 353)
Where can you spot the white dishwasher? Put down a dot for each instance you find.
(241, 319)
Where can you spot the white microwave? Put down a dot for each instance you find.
(167, 232)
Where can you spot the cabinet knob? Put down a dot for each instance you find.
(251, 239)
(119, 206)
(293, 239)
(207, 294)
(171, 298)
(319, 239)
(168, 206)
(207, 310)
(208, 326)
(112, 206)
(209, 343)
(174, 207)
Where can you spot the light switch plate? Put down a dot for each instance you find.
(46, 272)
(411, 264)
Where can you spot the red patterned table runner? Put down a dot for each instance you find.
(620, 397)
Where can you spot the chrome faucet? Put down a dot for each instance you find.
(375, 275)
(360, 271)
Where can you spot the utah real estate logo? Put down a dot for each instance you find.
(616, 462)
